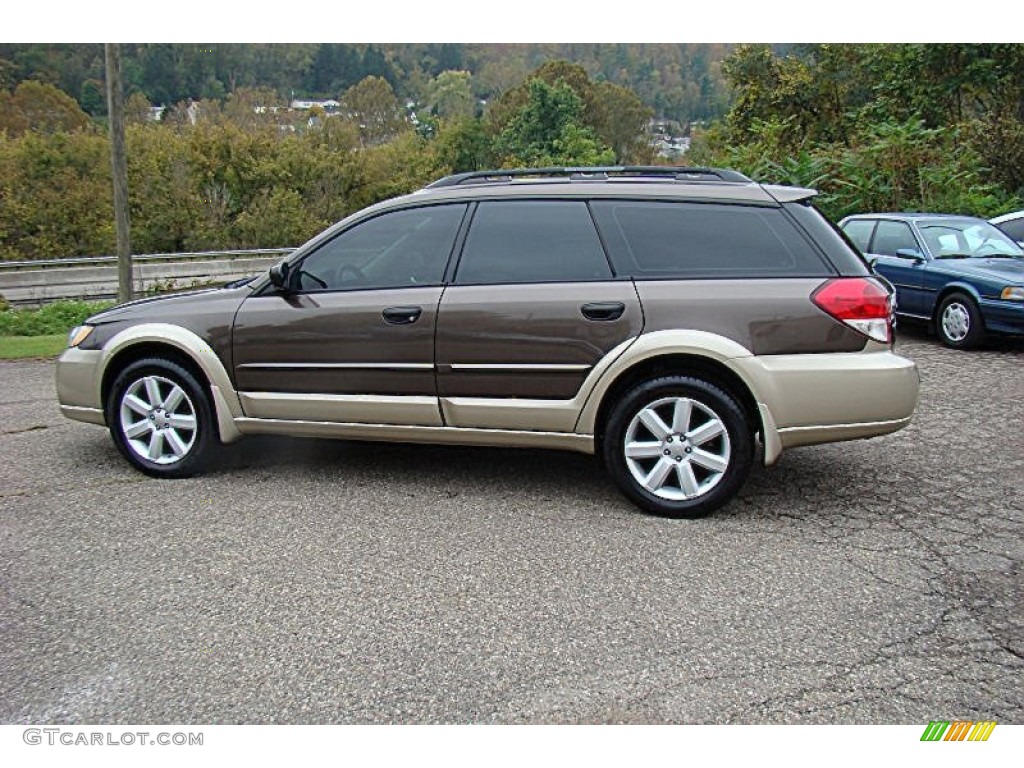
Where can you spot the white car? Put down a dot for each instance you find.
(1012, 224)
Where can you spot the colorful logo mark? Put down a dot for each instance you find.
(958, 730)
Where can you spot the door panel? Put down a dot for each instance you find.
(337, 343)
(529, 341)
(906, 275)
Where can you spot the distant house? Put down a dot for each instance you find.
(328, 106)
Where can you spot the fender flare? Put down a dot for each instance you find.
(226, 404)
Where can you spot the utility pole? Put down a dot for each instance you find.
(119, 168)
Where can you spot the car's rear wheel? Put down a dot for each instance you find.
(678, 446)
(959, 322)
(160, 418)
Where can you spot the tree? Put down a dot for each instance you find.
(136, 109)
(252, 107)
(548, 130)
(41, 108)
(92, 98)
(620, 120)
(615, 115)
(451, 95)
(372, 105)
(463, 145)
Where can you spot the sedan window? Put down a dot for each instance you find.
(892, 236)
(966, 238)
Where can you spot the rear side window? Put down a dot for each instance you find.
(532, 242)
(1014, 228)
(859, 232)
(701, 240)
(837, 246)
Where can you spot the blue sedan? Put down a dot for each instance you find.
(960, 274)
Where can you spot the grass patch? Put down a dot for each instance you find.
(52, 319)
(21, 347)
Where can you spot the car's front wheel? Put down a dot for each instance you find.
(160, 418)
(678, 446)
(959, 322)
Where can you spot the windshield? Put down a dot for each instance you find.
(967, 238)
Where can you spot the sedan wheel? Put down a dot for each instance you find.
(956, 322)
(959, 322)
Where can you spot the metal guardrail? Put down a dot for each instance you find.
(32, 283)
(85, 261)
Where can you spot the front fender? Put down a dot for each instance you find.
(225, 399)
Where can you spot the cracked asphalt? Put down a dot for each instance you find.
(308, 581)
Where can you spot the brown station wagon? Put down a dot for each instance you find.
(674, 321)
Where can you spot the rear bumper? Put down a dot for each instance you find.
(809, 399)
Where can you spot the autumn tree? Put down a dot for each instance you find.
(136, 109)
(372, 105)
(451, 95)
(39, 108)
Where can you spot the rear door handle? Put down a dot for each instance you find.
(402, 315)
(603, 310)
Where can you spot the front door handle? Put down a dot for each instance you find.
(402, 315)
(603, 310)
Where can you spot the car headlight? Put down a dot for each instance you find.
(79, 334)
(1013, 293)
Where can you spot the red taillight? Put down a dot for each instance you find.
(859, 302)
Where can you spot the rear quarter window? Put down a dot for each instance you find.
(1014, 228)
(859, 231)
(652, 240)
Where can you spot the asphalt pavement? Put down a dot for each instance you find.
(306, 581)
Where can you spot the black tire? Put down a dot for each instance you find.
(710, 408)
(958, 322)
(183, 409)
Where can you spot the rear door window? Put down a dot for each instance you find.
(532, 242)
(652, 240)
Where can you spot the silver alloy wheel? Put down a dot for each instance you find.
(158, 420)
(956, 321)
(677, 448)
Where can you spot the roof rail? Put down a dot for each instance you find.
(670, 172)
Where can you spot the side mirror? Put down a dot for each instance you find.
(910, 254)
(279, 276)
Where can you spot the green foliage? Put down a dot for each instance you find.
(463, 145)
(244, 176)
(890, 166)
(371, 105)
(93, 98)
(548, 130)
(451, 95)
(614, 116)
(56, 318)
(879, 127)
(39, 107)
(56, 196)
